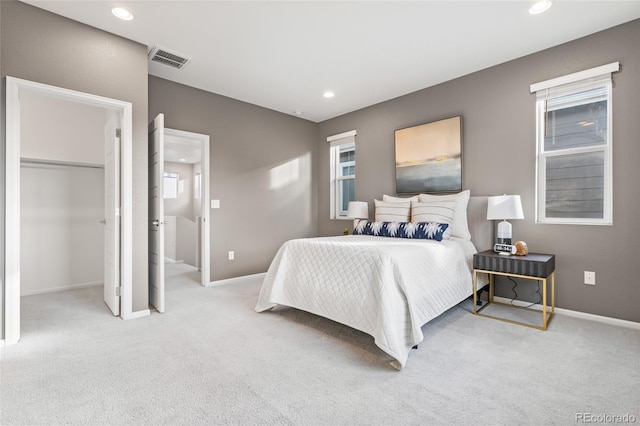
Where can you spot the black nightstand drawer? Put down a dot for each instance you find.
(534, 265)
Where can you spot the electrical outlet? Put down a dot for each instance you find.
(589, 277)
(232, 255)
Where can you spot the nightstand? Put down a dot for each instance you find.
(538, 267)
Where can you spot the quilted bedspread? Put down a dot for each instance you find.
(386, 287)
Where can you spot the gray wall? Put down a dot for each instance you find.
(261, 164)
(40, 46)
(499, 135)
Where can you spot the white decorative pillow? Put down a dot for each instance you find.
(390, 199)
(392, 212)
(459, 225)
(433, 211)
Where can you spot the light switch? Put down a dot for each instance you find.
(215, 204)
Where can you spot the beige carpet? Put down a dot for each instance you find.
(210, 359)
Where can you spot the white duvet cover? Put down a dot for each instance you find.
(386, 287)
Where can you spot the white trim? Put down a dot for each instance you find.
(12, 194)
(12, 215)
(575, 314)
(137, 314)
(576, 76)
(65, 288)
(334, 172)
(344, 135)
(205, 199)
(237, 280)
(126, 210)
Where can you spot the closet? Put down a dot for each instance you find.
(62, 189)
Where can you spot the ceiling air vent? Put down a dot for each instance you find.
(166, 57)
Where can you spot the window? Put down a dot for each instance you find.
(170, 187)
(343, 172)
(574, 166)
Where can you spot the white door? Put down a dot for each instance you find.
(156, 213)
(112, 218)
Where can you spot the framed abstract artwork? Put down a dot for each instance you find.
(429, 157)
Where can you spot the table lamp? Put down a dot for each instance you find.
(503, 207)
(358, 210)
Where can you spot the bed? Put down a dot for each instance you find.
(386, 287)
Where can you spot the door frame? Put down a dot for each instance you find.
(14, 86)
(205, 249)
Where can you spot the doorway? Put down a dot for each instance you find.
(179, 242)
(186, 164)
(118, 114)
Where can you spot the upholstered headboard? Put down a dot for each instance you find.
(480, 228)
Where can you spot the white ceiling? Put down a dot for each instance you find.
(284, 55)
(182, 150)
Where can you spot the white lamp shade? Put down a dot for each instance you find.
(358, 210)
(504, 207)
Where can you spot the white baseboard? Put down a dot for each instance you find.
(65, 288)
(575, 314)
(237, 280)
(137, 314)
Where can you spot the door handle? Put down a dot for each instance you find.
(158, 223)
(103, 221)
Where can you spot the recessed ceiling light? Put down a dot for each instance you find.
(540, 6)
(183, 159)
(298, 113)
(121, 13)
(328, 94)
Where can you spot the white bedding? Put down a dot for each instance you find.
(386, 287)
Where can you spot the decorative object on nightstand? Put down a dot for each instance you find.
(533, 266)
(357, 210)
(521, 248)
(503, 207)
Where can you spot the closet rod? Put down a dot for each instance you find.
(39, 162)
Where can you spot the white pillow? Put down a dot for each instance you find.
(392, 212)
(460, 228)
(441, 211)
(390, 199)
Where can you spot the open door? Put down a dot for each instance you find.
(156, 213)
(111, 221)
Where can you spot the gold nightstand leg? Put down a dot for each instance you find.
(544, 303)
(553, 292)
